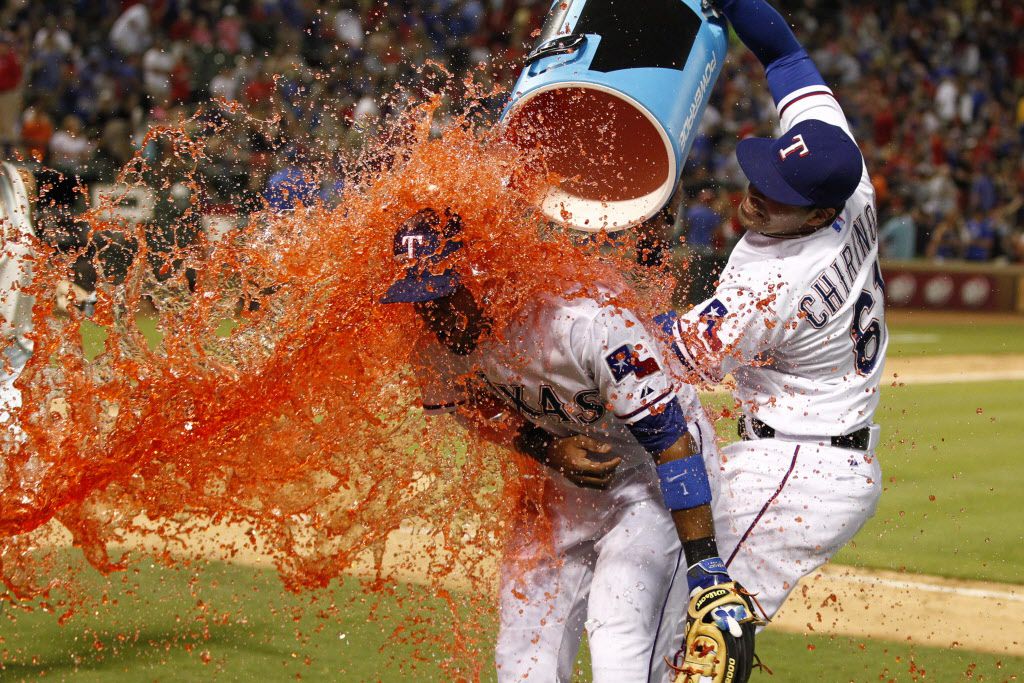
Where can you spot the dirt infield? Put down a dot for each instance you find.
(840, 600)
(924, 610)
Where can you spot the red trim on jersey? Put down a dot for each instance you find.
(764, 509)
(804, 96)
(646, 406)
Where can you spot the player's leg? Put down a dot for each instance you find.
(542, 608)
(782, 509)
(637, 596)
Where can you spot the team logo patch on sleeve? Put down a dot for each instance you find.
(711, 315)
(625, 361)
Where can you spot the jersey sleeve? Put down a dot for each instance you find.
(626, 365)
(738, 326)
(812, 102)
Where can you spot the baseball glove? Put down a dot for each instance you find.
(719, 645)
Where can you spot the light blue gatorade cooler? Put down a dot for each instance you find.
(610, 100)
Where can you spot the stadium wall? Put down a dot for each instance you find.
(954, 286)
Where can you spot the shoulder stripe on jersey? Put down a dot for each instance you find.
(796, 99)
(648, 405)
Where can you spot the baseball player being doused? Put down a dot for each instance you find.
(798, 319)
(15, 277)
(623, 451)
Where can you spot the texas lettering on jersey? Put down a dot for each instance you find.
(584, 408)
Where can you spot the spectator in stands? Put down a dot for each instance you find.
(11, 72)
(36, 131)
(703, 221)
(946, 242)
(52, 37)
(131, 33)
(979, 237)
(158, 63)
(114, 150)
(898, 235)
(70, 149)
(293, 184)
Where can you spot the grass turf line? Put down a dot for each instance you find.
(151, 627)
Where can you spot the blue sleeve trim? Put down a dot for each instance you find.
(657, 432)
(791, 73)
(684, 483)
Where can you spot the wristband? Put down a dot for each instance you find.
(534, 442)
(684, 483)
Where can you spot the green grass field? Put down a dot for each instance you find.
(951, 460)
(253, 631)
(951, 456)
(909, 338)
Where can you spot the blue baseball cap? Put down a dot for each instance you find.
(813, 164)
(422, 244)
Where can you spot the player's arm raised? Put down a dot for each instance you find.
(791, 73)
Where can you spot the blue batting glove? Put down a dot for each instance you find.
(711, 572)
(707, 573)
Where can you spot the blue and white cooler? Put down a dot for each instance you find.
(609, 102)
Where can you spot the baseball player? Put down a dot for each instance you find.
(15, 276)
(798, 320)
(626, 490)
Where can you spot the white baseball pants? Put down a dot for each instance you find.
(784, 507)
(620, 576)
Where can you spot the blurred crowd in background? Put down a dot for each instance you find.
(934, 90)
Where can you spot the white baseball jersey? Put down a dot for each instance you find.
(799, 322)
(580, 367)
(570, 367)
(15, 256)
(15, 275)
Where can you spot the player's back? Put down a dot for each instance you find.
(819, 374)
(833, 359)
(799, 322)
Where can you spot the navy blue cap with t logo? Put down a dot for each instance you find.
(422, 244)
(812, 164)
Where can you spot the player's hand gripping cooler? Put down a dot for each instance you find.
(610, 100)
(720, 627)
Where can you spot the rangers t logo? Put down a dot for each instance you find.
(625, 361)
(798, 146)
(411, 242)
